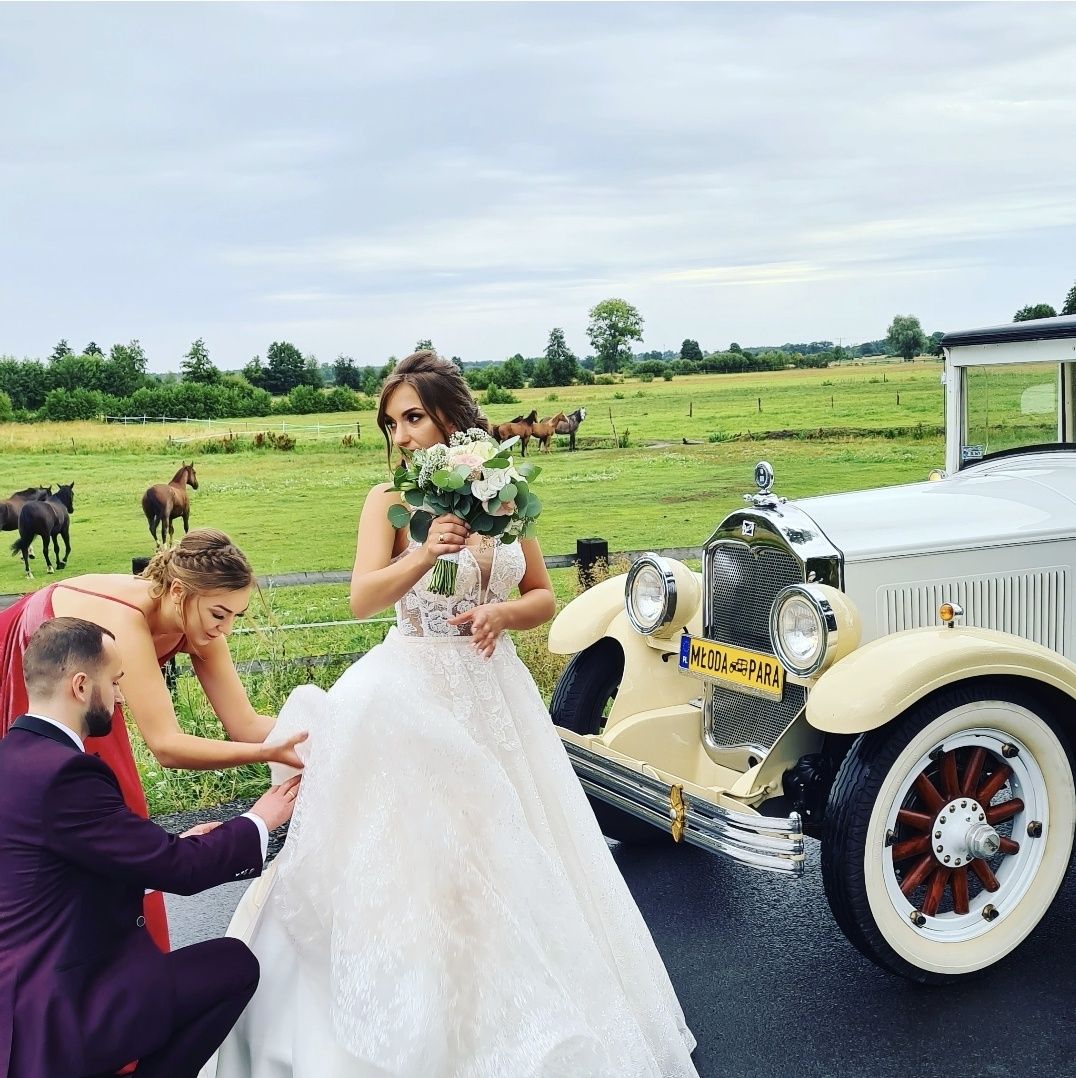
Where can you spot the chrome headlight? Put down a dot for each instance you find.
(650, 594)
(811, 625)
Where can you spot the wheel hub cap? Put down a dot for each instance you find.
(961, 833)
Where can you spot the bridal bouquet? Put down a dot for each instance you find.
(473, 478)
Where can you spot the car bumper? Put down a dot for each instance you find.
(772, 843)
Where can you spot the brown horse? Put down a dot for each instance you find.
(163, 502)
(545, 429)
(520, 428)
(570, 425)
(9, 509)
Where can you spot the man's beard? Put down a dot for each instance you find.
(98, 718)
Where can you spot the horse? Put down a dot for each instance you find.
(519, 427)
(45, 520)
(545, 429)
(163, 502)
(571, 425)
(9, 509)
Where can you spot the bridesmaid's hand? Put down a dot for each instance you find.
(447, 535)
(200, 829)
(487, 624)
(283, 752)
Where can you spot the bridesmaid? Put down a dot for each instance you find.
(186, 600)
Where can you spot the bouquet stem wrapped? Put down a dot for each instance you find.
(474, 479)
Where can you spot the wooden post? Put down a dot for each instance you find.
(760, 404)
(690, 405)
(588, 552)
(171, 673)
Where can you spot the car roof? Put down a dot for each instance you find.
(1037, 329)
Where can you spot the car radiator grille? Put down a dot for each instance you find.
(743, 582)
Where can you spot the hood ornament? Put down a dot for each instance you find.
(764, 498)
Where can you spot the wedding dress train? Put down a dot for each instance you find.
(445, 905)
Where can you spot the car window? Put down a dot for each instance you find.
(1007, 407)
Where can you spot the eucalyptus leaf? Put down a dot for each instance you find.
(420, 526)
(508, 492)
(414, 497)
(398, 516)
(534, 507)
(482, 523)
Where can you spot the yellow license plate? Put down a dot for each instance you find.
(760, 675)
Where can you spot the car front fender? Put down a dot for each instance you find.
(587, 618)
(882, 679)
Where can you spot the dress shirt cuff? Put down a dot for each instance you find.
(263, 832)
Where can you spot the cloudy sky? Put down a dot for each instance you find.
(353, 177)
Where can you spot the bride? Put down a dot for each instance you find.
(445, 905)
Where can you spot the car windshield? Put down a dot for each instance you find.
(1009, 407)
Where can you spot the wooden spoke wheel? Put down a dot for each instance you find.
(949, 831)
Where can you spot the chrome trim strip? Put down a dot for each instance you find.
(771, 843)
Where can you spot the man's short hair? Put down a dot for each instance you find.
(59, 648)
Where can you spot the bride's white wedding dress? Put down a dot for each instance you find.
(445, 905)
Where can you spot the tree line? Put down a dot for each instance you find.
(87, 384)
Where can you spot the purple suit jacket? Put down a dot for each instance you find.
(83, 988)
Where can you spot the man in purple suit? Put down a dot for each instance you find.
(83, 988)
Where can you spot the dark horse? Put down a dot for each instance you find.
(9, 509)
(570, 424)
(45, 520)
(163, 502)
(520, 427)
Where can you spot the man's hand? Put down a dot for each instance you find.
(276, 805)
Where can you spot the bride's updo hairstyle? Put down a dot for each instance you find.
(442, 390)
(204, 560)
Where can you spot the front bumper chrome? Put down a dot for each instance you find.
(772, 843)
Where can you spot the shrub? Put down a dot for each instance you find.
(551, 397)
(7, 413)
(668, 376)
(585, 377)
(605, 380)
(63, 404)
(496, 395)
(646, 376)
(618, 396)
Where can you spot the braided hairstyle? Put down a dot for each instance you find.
(204, 560)
(440, 386)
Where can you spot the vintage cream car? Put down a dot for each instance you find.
(889, 671)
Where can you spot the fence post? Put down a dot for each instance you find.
(170, 671)
(588, 553)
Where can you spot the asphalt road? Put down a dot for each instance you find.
(771, 988)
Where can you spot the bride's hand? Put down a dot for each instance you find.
(283, 752)
(446, 536)
(487, 624)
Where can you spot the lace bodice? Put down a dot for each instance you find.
(487, 572)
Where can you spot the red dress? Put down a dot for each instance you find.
(17, 624)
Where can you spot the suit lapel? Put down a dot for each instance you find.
(33, 725)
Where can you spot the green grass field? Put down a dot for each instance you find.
(298, 510)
